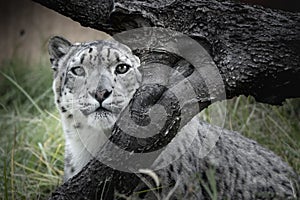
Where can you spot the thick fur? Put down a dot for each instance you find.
(84, 126)
(241, 168)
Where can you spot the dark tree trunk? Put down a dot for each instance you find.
(256, 50)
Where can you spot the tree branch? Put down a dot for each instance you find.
(255, 49)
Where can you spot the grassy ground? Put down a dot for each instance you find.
(31, 145)
(31, 140)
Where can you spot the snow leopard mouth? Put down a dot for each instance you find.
(100, 110)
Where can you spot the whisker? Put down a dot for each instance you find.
(77, 100)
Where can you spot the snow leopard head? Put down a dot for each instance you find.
(93, 81)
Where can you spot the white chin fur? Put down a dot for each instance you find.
(104, 123)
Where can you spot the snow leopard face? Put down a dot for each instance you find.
(93, 81)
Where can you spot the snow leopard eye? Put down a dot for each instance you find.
(122, 68)
(78, 71)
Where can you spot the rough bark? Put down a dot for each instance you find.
(255, 49)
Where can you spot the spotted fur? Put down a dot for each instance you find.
(81, 72)
(242, 168)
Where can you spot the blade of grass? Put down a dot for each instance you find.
(5, 180)
(40, 98)
(212, 182)
(24, 92)
(45, 158)
(54, 156)
(52, 115)
(282, 130)
(41, 159)
(211, 186)
(35, 171)
(248, 119)
(4, 107)
(236, 104)
(12, 164)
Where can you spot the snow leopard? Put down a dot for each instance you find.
(93, 83)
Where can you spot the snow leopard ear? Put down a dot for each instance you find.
(137, 59)
(57, 48)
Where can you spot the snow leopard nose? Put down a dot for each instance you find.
(101, 95)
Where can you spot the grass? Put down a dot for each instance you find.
(32, 144)
(275, 127)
